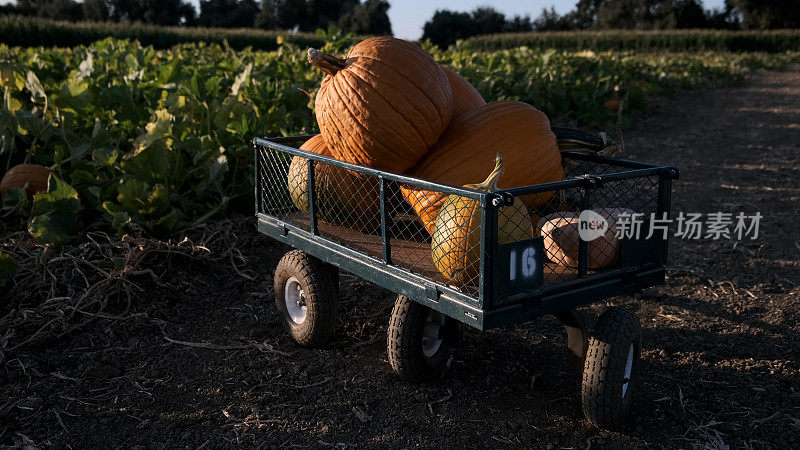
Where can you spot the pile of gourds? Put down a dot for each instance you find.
(389, 105)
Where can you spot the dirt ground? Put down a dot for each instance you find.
(198, 359)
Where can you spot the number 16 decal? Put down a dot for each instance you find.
(524, 270)
(527, 263)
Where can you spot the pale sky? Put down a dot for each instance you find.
(408, 16)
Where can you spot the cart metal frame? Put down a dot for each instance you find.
(511, 286)
(642, 262)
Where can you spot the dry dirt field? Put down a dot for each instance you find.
(188, 351)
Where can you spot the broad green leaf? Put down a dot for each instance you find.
(119, 218)
(12, 75)
(16, 201)
(158, 129)
(150, 208)
(73, 96)
(131, 194)
(77, 152)
(11, 104)
(131, 61)
(153, 164)
(54, 218)
(82, 176)
(105, 156)
(164, 224)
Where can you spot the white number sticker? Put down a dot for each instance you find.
(527, 263)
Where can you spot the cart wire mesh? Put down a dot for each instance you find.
(436, 231)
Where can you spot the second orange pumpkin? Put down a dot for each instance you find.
(465, 96)
(517, 130)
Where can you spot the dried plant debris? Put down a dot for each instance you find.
(58, 290)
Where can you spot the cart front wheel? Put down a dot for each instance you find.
(421, 340)
(305, 295)
(611, 370)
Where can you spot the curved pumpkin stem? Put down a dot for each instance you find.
(327, 63)
(490, 184)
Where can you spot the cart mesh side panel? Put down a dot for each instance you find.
(446, 228)
(351, 209)
(274, 196)
(389, 220)
(557, 221)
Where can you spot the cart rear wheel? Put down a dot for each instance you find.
(611, 371)
(421, 340)
(306, 290)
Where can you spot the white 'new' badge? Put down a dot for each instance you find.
(591, 225)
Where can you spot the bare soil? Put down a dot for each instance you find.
(197, 357)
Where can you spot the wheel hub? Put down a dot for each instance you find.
(295, 300)
(626, 380)
(432, 333)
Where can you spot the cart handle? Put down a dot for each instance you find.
(570, 139)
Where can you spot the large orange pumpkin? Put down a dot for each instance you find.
(517, 130)
(384, 105)
(33, 174)
(342, 197)
(456, 238)
(465, 96)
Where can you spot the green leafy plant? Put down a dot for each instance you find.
(150, 140)
(54, 219)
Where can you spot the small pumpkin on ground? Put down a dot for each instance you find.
(612, 104)
(384, 105)
(342, 197)
(517, 130)
(33, 174)
(455, 244)
(465, 96)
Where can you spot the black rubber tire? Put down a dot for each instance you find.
(320, 287)
(604, 404)
(404, 344)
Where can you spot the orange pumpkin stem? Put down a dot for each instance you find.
(490, 184)
(325, 62)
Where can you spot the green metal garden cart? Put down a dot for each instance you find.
(516, 281)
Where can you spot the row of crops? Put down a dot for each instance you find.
(772, 41)
(158, 140)
(32, 31)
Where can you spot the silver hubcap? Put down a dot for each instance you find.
(431, 335)
(628, 367)
(295, 300)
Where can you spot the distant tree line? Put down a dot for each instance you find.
(355, 16)
(446, 27)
